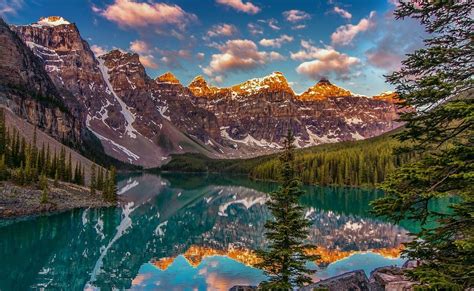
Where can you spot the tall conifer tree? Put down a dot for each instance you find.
(438, 81)
(285, 259)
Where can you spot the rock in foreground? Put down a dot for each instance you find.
(383, 278)
(355, 280)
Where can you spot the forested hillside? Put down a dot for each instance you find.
(362, 163)
(355, 163)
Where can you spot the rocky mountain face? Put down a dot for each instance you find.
(27, 90)
(254, 116)
(142, 121)
(162, 108)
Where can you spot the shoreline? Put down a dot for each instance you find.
(18, 202)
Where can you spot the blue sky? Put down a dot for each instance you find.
(352, 42)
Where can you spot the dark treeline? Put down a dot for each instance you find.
(362, 163)
(24, 163)
(103, 180)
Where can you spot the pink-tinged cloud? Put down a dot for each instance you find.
(140, 47)
(385, 59)
(148, 61)
(272, 23)
(247, 7)
(392, 40)
(173, 58)
(98, 50)
(239, 55)
(254, 29)
(223, 29)
(10, 7)
(139, 15)
(346, 33)
(298, 27)
(296, 15)
(323, 61)
(200, 56)
(276, 42)
(342, 12)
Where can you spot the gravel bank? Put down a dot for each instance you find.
(16, 201)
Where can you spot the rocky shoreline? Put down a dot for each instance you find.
(383, 278)
(21, 201)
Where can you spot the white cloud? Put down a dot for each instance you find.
(200, 56)
(140, 15)
(148, 61)
(140, 47)
(238, 5)
(392, 40)
(272, 23)
(346, 33)
(276, 42)
(296, 15)
(323, 61)
(239, 55)
(173, 58)
(10, 6)
(223, 29)
(342, 12)
(299, 26)
(98, 50)
(255, 29)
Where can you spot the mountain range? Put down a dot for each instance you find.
(51, 77)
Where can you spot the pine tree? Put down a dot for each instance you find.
(285, 259)
(437, 80)
(69, 169)
(83, 173)
(56, 178)
(3, 168)
(54, 165)
(93, 181)
(47, 162)
(62, 164)
(100, 179)
(3, 139)
(44, 189)
(112, 188)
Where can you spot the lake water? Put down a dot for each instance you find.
(187, 232)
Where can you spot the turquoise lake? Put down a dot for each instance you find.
(188, 232)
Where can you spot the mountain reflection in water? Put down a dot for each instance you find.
(178, 232)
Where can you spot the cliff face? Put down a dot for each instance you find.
(28, 91)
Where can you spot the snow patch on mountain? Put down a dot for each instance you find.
(123, 149)
(127, 114)
(52, 21)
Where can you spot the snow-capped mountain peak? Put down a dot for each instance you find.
(52, 21)
(276, 81)
(322, 90)
(200, 87)
(167, 77)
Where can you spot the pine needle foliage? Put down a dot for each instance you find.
(437, 80)
(285, 259)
